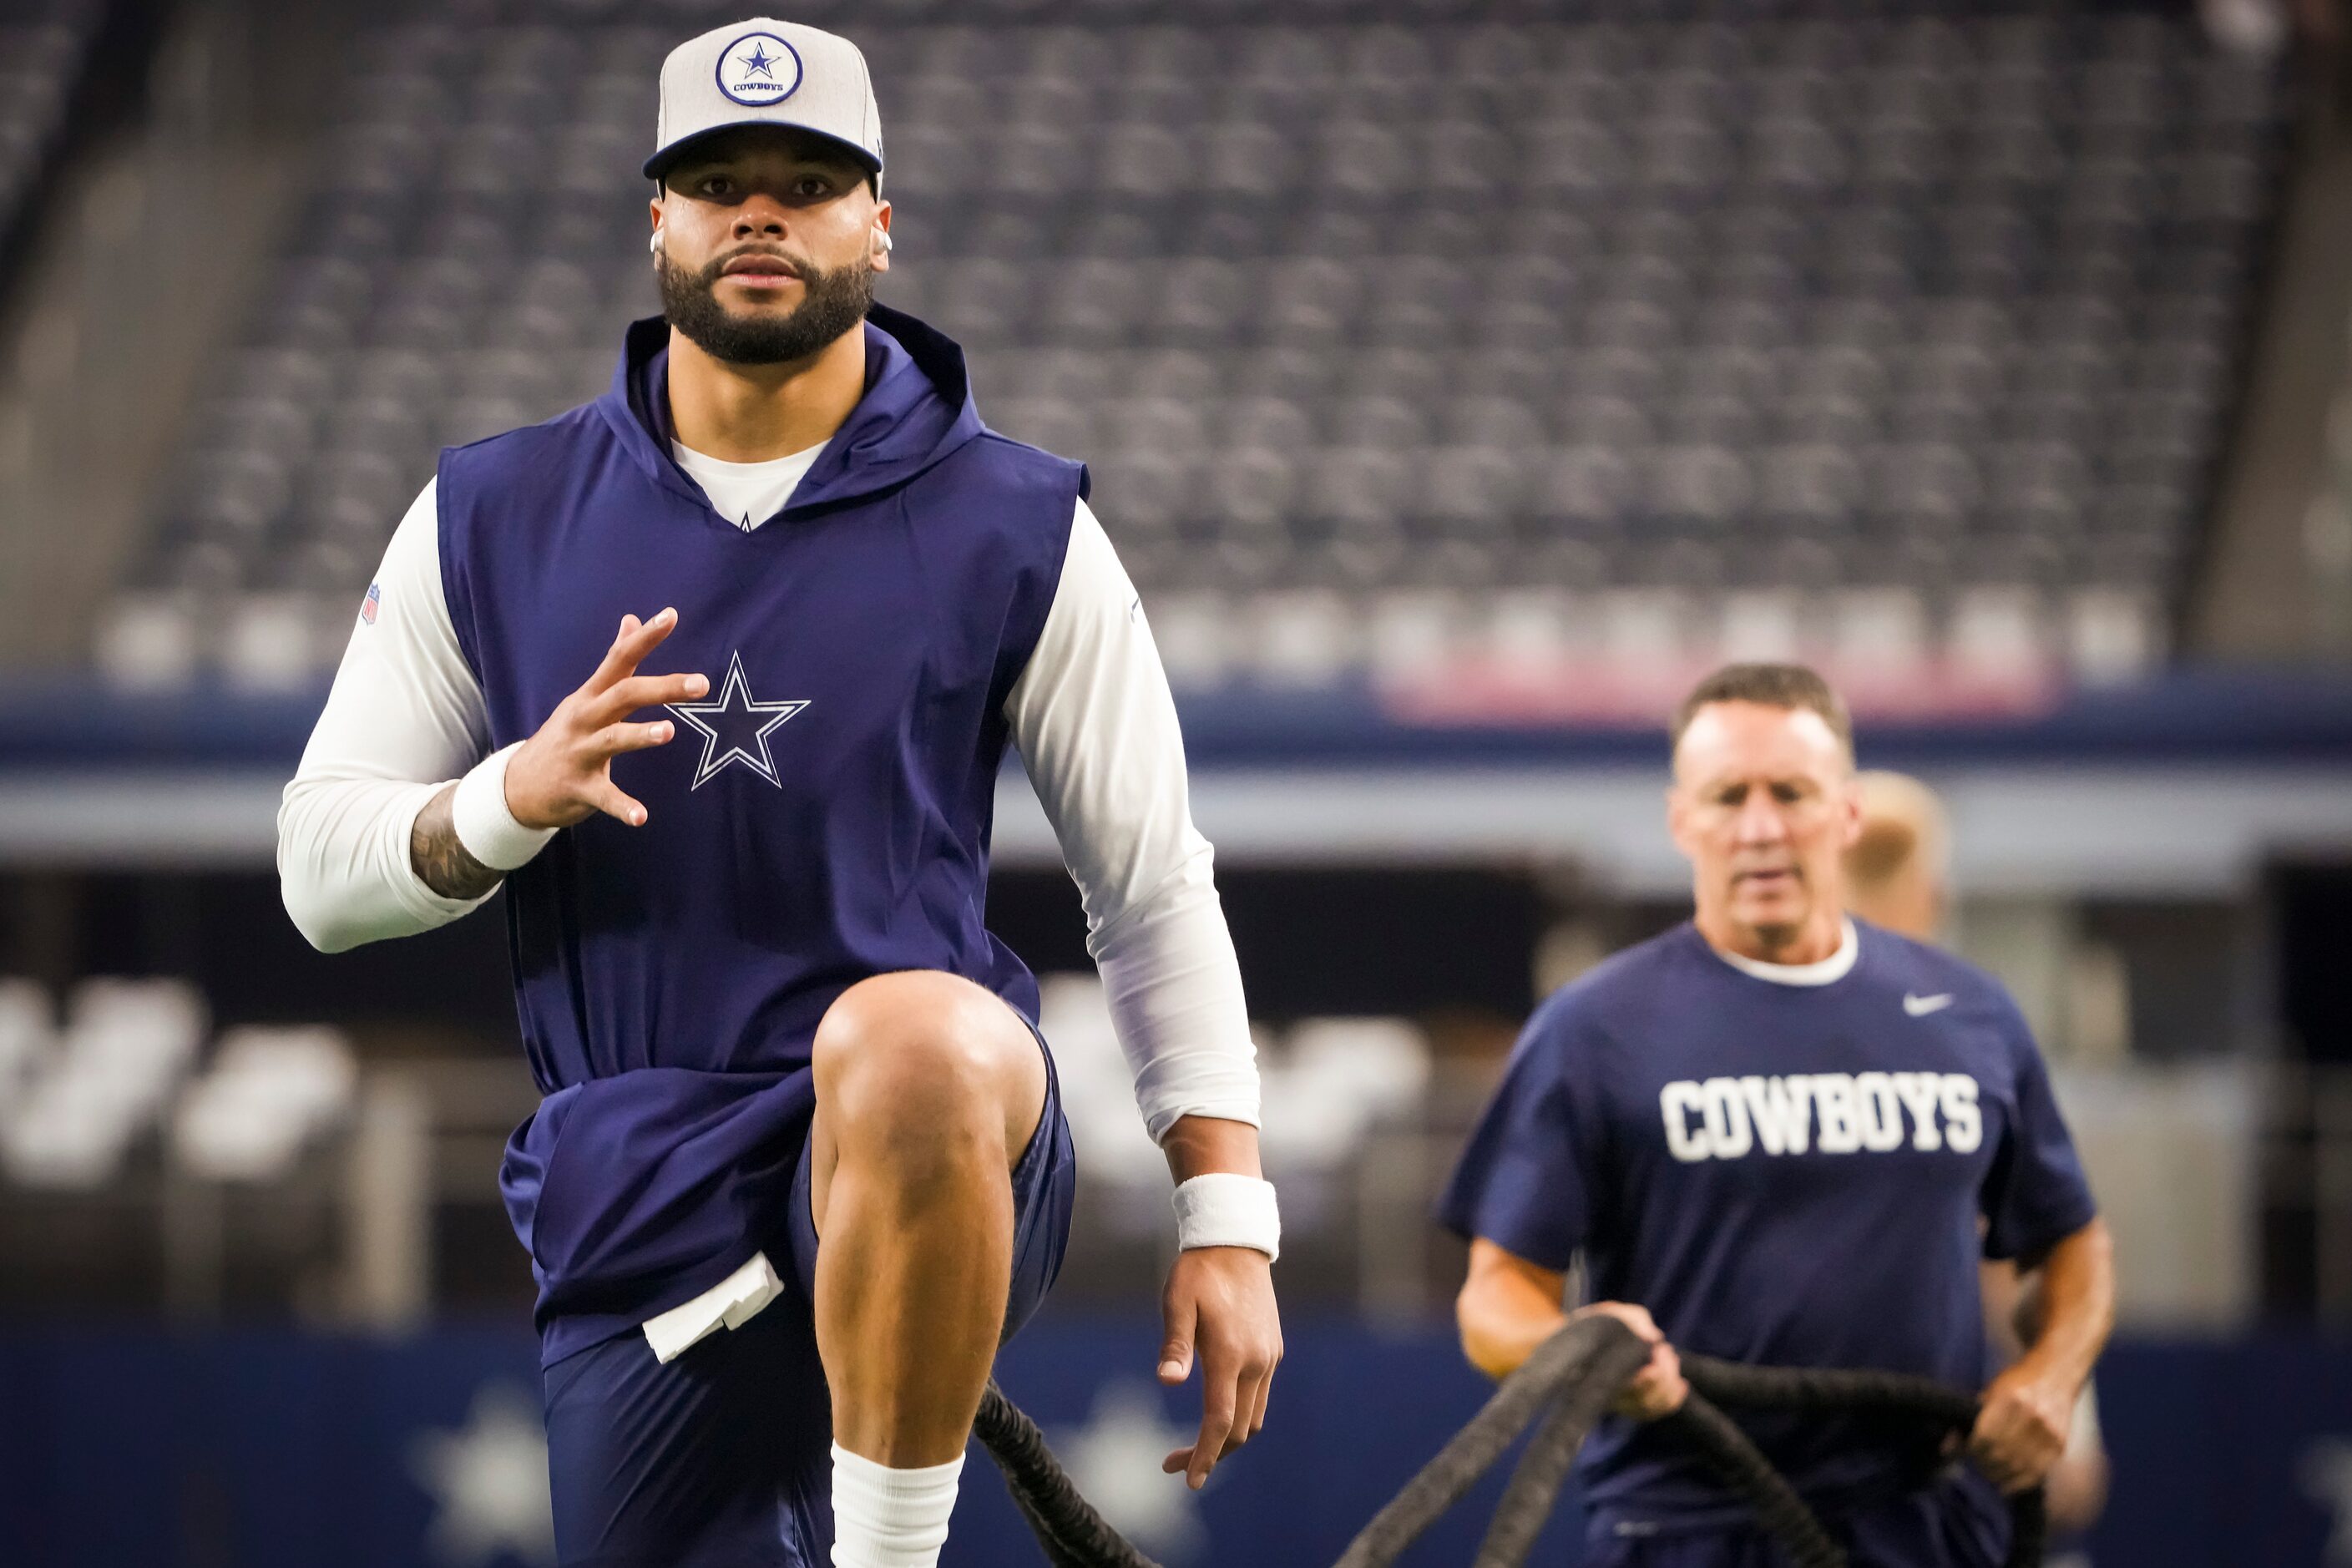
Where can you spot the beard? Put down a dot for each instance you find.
(831, 304)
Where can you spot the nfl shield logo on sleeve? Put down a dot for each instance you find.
(369, 604)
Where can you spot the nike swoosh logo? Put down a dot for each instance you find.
(1920, 1006)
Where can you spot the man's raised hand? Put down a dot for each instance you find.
(563, 774)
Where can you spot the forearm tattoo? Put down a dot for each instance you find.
(444, 864)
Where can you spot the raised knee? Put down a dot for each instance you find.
(919, 1050)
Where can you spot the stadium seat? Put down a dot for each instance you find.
(126, 1046)
(267, 1093)
(1906, 302)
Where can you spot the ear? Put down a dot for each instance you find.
(881, 242)
(653, 212)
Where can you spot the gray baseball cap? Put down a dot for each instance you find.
(766, 72)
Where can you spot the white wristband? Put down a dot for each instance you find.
(485, 827)
(1224, 1210)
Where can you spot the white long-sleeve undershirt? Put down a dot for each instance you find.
(1091, 717)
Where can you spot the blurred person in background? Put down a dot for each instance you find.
(1897, 875)
(1774, 1132)
(752, 975)
(1898, 870)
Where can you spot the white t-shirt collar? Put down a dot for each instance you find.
(1822, 972)
(746, 494)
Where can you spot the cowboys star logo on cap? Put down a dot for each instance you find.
(765, 71)
(758, 69)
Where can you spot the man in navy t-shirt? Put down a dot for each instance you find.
(1772, 1133)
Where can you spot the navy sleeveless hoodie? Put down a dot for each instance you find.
(823, 816)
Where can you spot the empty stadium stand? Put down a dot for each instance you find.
(42, 50)
(1912, 334)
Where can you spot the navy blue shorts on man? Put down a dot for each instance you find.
(724, 1456)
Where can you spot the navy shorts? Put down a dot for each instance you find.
(1958, 1524)
(724, 1457)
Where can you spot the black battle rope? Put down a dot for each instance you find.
(1730, 1383)
(1738, 1466)
(1535, 1484)
(1073, 1534)
(1894, 1393)
(1574, 1374)
(1056, 1554)
(1571, 1355)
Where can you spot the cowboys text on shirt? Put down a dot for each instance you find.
(1826, 1113)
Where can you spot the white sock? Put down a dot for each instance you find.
(883, 1518)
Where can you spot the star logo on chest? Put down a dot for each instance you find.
(734, 727)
